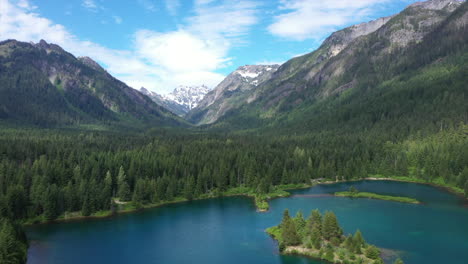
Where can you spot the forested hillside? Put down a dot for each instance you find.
(43, 85)
(375, 108)
(376, 82)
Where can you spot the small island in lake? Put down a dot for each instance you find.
(322, 238)
(355, 193)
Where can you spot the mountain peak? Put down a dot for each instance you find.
(91, 63)
(49, 47)
(181, 100)
(438, 4)
(187, 96)
(231, 92)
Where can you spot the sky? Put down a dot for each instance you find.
(160, 44)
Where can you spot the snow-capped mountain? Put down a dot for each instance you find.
(181, 100)
(233, 91)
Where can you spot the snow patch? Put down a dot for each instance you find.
(247, 74)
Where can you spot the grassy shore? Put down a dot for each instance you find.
(261, 203)
(261, 200)
(437, 182)
(378, 196)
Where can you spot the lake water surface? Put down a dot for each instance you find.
(229, 230)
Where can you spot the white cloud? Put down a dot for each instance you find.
(307, 19)
(117, 19)
(179, 51)
(148, 5)
(172, 6)
(90, 5)
(158, 61)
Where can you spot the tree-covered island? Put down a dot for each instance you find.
(321, 237)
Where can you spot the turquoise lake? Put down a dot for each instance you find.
(229, 230)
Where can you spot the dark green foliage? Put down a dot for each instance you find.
(315, 243)
(79, 94)
(289, 234)
(331, 228)
(466, 189)
(300, 224)
(13, 245)
(353, 189)
(329, 254)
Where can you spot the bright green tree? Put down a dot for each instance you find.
(372, 252)
(300, 223)
(398, 261)
(330, 228)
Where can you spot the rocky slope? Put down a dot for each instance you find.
(52, 87)
(353, 62)
(181, 100)
(231, 93)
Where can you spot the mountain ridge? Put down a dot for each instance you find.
(231, 92)
(53, 87)
(181, 100)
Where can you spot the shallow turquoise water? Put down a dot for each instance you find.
(229, 230)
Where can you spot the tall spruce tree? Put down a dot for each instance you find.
(289, 233)
(331, 229)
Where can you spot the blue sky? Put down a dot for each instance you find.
(160, 44)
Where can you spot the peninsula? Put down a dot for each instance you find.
(322, 238)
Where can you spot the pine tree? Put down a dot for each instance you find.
(358, 242)
(315, 219)
(331, 229)
(398, 261)
(288, 231)
(300, 224)
(107, 191)
(189, 188)
(123, 187)
(13, 248)
(86, 208)
(316, 236)
(372, 252)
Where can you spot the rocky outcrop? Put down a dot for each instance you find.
(236, 89)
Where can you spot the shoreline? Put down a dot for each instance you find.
(109, 213)
(228, 193)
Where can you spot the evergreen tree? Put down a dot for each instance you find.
(13, 246)
(398, 261)
(358, 242)
(189, 188)
(314, 220)
(86, 209)
(372, 252)
(300, 224)
(331, 229)
(288, 230)
(316, 236)
(124, 192)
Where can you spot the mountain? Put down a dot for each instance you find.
(231, 93)
(44, 85)
(391, 70)
(181, 100)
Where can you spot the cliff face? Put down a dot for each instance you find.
(236, 89)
